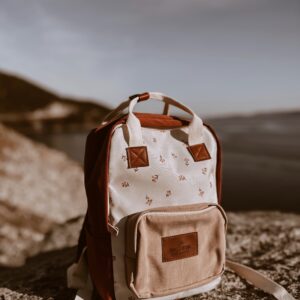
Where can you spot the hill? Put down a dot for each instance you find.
(27, 106)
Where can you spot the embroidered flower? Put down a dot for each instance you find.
(186, 161)
(161, 159)
(204, 171)
(124, 157)
(181, 177)
(168, 193)
(174, 155)
(135, 169)
(154, 140)
(154, 178)
(148, 200)
(125, 184)
(201, 192)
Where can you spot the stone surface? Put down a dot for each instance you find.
(41, 196)
(267, 241)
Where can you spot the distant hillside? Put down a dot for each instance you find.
(26, 106)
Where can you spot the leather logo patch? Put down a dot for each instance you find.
(179, 246)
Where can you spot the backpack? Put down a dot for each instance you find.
(154, 227)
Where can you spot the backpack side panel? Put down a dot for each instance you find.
(97, 237)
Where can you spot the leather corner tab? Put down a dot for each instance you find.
(199, 152)
(137, 157)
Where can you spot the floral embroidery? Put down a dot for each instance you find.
(154, 140)
(135, 169)
(154, 178)
(204, 171)
(148, 200)
(161, 159)
(125, 184)
(168, 193)
(201, 192)
(186, 161)
(181, 177)
(124, 157)
(174, 155)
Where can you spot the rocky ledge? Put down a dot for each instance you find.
(42, 198)
(266, 241)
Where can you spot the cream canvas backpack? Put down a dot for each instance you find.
(155, 228)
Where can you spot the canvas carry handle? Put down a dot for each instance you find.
(195, 128)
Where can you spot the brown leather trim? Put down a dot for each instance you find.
(142, 97)
(179, 246)
(137, 157)
(199, 152)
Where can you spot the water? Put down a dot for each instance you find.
(73, 144)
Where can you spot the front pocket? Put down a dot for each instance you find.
(172, 249)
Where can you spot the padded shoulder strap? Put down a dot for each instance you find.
(260, 281)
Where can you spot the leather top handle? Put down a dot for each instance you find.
(195, 128)
(123, 105)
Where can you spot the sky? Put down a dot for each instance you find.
(217, 56)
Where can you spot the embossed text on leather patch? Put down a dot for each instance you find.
(179, 246)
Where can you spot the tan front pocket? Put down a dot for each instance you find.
(173, 249)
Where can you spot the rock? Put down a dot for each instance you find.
(267, 241)
(41, 195)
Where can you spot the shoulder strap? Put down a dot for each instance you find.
(78, 277)
(260, 281)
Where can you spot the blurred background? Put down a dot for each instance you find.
(64, 64)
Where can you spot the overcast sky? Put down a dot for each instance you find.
(219, 56)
